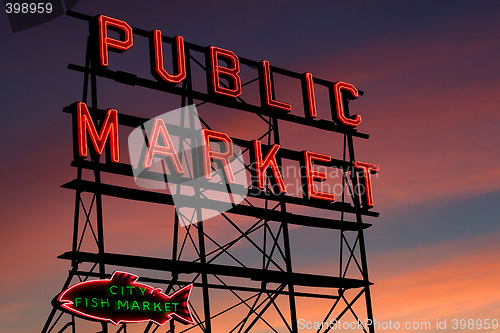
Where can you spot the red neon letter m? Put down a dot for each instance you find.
(109, 128)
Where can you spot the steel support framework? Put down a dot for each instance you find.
(265, 297)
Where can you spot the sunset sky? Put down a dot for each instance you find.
(430, 72)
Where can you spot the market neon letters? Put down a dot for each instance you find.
(264, 165)
(223, 79)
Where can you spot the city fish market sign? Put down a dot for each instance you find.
(121, 299)
(221, 65)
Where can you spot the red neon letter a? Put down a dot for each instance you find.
(105, 42)
(109, 128)
(166, 150)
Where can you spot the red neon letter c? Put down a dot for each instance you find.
(339, 105)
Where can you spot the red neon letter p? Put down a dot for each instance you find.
(106, 42)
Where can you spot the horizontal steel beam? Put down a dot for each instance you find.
(187, 267)
(189, 201)
(218, 286)
(134, 80)
(126, 170)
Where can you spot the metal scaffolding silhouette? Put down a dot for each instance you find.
(264, 297)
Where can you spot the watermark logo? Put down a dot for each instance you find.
(204, 173)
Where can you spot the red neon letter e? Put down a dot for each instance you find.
(368, 170)
(109, 128)
(166, 150)
(224, 157)
(158, 69)
(105, 42)
(311, 175)
(339, 105)
(230, 73)
(262, 165)
(267, 91)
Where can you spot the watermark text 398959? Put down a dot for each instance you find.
(28, 8)
(26, 14)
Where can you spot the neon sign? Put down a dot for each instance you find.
(109, 128)
(216, 71)
(120, 299)
(222, 66)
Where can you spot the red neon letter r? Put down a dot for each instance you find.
(224, 157)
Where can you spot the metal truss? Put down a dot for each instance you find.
(256, 292)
